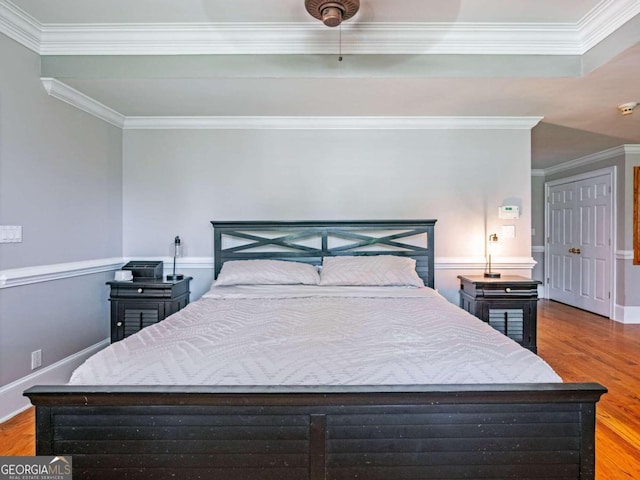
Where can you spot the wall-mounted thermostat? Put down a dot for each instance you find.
(508, 212)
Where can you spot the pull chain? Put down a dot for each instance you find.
(340, 49)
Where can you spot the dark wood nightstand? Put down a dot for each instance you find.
(508, 304)
(140, 303)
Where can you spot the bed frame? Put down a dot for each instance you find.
(514, 431)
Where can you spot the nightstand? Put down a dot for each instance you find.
(139, 303)
(508, 304)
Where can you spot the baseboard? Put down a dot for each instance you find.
(627, 315)
(13, 402)
(542, 293)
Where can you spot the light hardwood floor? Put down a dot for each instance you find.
(580, 346)
(584, 347)
(17, 437)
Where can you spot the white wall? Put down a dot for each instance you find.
(61, 180)
(176, 181)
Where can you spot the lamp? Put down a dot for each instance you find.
(493, 240)
(177, 252)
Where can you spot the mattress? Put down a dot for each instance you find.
(313, 335)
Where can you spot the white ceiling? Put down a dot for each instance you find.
(571, 62)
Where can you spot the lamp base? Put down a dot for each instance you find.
(491, 275)
(175, 276)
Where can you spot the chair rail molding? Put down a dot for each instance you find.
(441, 263)
(45, 273)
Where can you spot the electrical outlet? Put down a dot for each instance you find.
(36, 359)
(10, 234)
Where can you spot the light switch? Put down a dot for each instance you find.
(508, 231)
(10, 234)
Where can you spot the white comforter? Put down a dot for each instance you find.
(316, 336)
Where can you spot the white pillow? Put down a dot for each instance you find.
(375, 270)
(266, 272)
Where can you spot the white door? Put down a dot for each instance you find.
(579, 243)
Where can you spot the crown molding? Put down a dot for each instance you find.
(15, 23)
(593, 158)
(604, 19)
(312, 38)
(64, 92)
(630, 149)
(330, 123)
(70, 95)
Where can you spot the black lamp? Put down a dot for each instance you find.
(493, 240)
(177, 251)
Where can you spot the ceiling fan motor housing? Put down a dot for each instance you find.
(332, 13)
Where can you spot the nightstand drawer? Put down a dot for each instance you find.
(509, 291)
(140, 291)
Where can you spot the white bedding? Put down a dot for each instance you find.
(315, 335)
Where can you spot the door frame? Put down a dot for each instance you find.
(612, 172)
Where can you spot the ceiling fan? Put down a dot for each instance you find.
(332, 13)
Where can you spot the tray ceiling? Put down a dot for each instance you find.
(570, 62)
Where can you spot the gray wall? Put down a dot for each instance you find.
(537, 224)
(61, 179)
(176, 181)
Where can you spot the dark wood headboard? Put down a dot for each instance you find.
(309, 241)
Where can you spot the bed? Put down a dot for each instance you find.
(301, 423)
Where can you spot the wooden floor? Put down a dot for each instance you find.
(17, 437)
(584, 347)
(578, 345)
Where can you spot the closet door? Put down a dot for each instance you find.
(579, 244)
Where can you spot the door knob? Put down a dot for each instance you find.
(574, 250)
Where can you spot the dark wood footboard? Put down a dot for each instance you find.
(519, 432)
